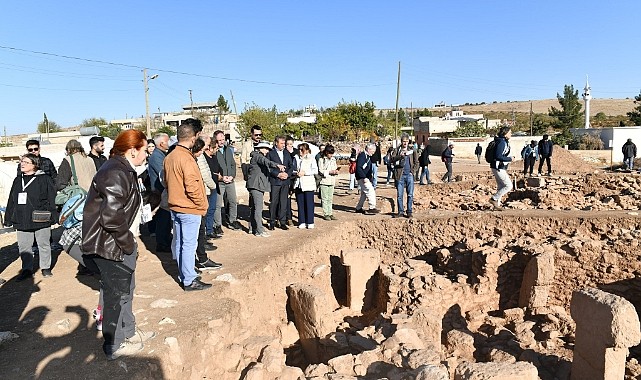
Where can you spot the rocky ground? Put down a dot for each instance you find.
(450, 296)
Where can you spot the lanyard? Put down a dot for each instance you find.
(24, 187)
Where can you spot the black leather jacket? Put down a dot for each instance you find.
(111, 206)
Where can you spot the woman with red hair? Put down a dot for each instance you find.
(112, 210)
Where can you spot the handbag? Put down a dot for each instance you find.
(73, 189)
(40, 216)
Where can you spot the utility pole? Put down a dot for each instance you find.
(531, 120)
(191, 100)
(233, 102)
(144, 76)
(398, 92)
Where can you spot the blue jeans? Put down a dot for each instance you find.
(211, 211)
(425, 173)
(629, 162)
(390, 171)
(184, 244)
(374, 174)
(405, 182)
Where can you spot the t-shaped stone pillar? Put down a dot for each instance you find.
(311, 317)
(362, 265)
(606, 326)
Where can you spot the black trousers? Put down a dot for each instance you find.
(163, 228)
(201, 254)
(547, 159)
(528, 165)
(116, 279)
(278, 203)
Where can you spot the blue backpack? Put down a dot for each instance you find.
(71, 213)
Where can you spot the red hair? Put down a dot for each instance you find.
(131, 138)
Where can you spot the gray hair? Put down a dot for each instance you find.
(370, 146)
(404, 136)
(158, 137)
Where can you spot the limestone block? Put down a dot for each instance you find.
(288, 334)
(256, 372)
(312, 317)
(419, 358)
(343, 365)
(362, 265)
(606, 326)
(429, 325)
(610, 318)
(408, 338)
(535, 181)
(291, 373)
(317, 370)
(537, 277)
(273, 358)
(432, 372)
(496, 371)
(460, 342)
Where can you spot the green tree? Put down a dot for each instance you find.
(168, 129)
(222, 104)
(423, 112)
(570, 114)
(635, 115)
(359, 117)
(93, 122)
(471, 128)
(110, 130)
(270, 121)
(47, 125)
(331, 124)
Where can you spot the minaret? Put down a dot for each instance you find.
(586, 98)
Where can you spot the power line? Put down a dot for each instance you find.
(187, 73)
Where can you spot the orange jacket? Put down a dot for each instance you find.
(185, 188)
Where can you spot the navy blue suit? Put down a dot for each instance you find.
(279, 187)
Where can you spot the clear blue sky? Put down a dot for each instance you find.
(294, 53)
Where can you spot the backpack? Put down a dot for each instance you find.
(71, 213)
(490, 152)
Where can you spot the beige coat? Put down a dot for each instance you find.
(325, 165)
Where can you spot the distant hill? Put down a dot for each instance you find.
(611, 107)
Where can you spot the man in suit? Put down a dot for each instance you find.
(279, 181)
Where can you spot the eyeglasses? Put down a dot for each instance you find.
(33, 149)
(26, 162)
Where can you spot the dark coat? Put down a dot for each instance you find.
(215, 169)
(41, 196)
(259, 167)
(447, 155)
(545, 148)
(502, 154)
(629, 150)
(98, 160)
(289, 167)
(154, 168)
(364, 167)
(110, 209)
(225, 157)
(424, 160)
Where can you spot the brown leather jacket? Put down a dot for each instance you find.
(111, 206)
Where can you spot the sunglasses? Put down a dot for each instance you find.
(33, 149)
(258, 134)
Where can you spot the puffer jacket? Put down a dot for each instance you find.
(110, 209)
(41, 196)
(502, 154)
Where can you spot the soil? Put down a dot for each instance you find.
(220, 332)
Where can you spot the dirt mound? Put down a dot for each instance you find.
(565, 162)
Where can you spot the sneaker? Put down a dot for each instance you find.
(196, 285)
(284, 227)
(126, 349)
(360, 211)
(97, 315)
(373, 211)
(47, 273)
(327, 217)
(235, 226)
(23, 275)
(310, 226)
(208, 265)
(495, 204)
(333, 217)
(218, 230)
(213, 235)
(210, 247)
(395, 216)
(302, 226)
(141, 336)
(409, 215)
(263, 234)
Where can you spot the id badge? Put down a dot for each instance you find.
(146, 214)
(22, 198)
